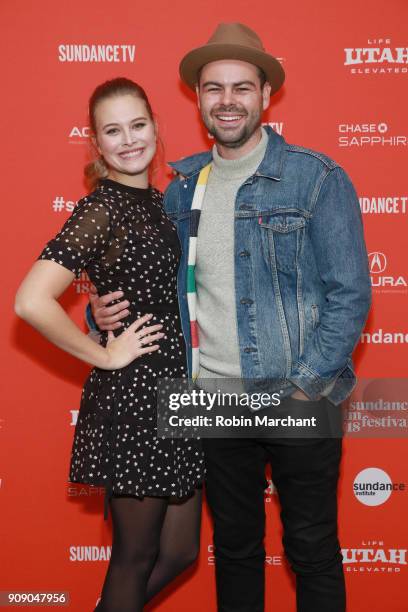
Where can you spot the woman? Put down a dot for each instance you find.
(122, 237)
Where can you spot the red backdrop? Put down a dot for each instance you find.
(348, 104)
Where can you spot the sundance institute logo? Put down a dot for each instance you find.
(373, 487)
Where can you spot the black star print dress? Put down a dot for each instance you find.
(122, 237)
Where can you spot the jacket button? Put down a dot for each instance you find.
(249, 349)
(246, 301)
(244, 253)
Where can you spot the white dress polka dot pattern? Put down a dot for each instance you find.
(124, 240)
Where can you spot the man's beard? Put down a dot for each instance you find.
(239, 138)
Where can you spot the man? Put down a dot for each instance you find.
(271, 234)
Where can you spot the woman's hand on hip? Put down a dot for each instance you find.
(132, 343)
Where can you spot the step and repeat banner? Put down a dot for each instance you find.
(346, 66)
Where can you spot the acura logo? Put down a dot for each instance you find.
(377, 261)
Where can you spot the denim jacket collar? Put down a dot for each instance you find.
(270, 167)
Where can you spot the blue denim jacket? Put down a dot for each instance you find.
(302, 282)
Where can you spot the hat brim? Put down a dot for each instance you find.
(197, 58)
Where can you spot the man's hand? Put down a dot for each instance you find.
(107, 317)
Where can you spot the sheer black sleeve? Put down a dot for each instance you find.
(82, 238)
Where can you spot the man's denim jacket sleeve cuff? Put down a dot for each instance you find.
(310, 382)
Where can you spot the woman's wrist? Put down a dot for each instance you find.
(102, 358)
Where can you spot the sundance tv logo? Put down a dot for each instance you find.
(381, 280)
(369, 135)
(377, 56)
(96, 53)
(384, 205)
(373, 557)
(373, 486)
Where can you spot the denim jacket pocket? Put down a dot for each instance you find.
(283, 234)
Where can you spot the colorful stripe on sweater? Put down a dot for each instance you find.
(196, 206)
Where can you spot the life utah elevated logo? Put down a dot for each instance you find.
(377, 56)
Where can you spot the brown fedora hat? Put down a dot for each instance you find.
(232, 41)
